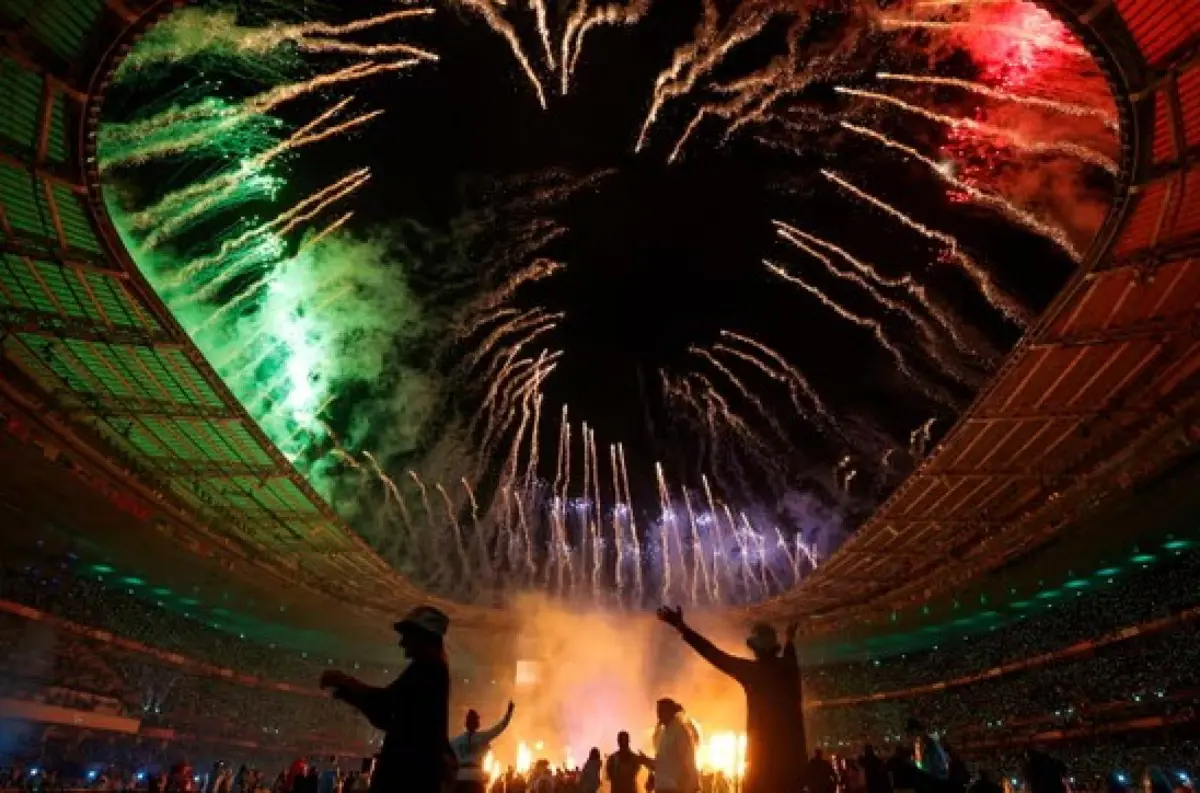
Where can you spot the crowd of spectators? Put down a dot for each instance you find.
(1142, 594)
(1145, 679)
(60, 587)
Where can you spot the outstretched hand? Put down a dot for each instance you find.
(511, 707)
(671, 616)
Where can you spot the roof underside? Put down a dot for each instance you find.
(88, 345)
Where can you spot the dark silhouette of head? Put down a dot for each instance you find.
(472, 720)
(623, 741)
(666, 709)
(421, 633)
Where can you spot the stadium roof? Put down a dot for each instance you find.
(1091, 400)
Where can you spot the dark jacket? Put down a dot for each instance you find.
(414, 714)
(776, 749)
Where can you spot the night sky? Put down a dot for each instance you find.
(660, 257)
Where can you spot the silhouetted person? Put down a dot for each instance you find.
(471, 748)
(931, 758)
(985, 784)
(776, 749)
(413, 712)
(821, 776)
(1045, 774)
(875, 771)
(623, 766)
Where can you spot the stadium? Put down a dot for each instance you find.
(176, 577)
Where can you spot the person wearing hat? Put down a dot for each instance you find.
(413, 712)
(776, 750)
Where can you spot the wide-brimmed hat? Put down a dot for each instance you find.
(426, 619)
(762, 638)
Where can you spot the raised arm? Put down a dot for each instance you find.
(497, 729)
(789, 646)
(377, 704)
(729, 664)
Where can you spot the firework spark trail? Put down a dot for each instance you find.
(503, 367)
(521, 387)
(1041, 40)
(599, 509)
(317, 36)
(699, 566)
(535, 447)
(717, 405)
(508, 381)
(595, 527)
(639, 590)
(257, 105)
(712, 511)
(797, 237)
(538, 270)
(616, 520)
(741, 387)
(323, 234)
(628, 14)
(183, 207)
(527, 533)
(1006, 304)
(318, 202)
(664, 505)
(920, 438)
(501, 27)
(224, 310)
(524, 321)
(530, 394)
(445, 573)
(539, 12)
(452, 519)
(751, 98)
(865, 322)
(792, 372)
(566, 461)
(793, 558)
(760, 546)
(689, 62)
(1013, 137)
(1005, 207)
(1063, 108)
(489, 318)
(514, 455)
(563, 424)
(388, 483)
(735, 532)
(932, 341)
(305, 210)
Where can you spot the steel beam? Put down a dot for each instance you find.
(29, 248)
(106, 406)
(56, 326)
(208, 469)
(1156, 256)
(1140, 331)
